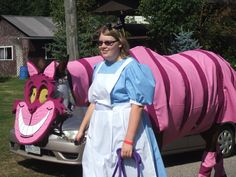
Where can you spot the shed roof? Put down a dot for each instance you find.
(114, 7)
(33, 27)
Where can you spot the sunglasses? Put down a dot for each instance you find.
(107, 43)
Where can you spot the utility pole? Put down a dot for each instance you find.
(71, 29)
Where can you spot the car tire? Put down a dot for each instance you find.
(226, 140)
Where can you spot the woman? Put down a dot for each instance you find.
(120, 89)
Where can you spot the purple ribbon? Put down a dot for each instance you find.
(120, 166)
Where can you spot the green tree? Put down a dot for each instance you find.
(217, 30)
(166, 17)
(39, 7)
(88, 23)
(26, 7)
(184, 41)
(212, 24)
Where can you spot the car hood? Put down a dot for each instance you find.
(74, 121)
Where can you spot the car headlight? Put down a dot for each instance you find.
(70, 134)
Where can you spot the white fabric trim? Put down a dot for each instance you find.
(135, 102)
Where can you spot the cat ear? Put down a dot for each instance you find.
(50, 70)
(32, 69)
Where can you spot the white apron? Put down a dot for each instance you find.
(107, 130)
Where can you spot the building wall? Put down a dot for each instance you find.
(11, 36)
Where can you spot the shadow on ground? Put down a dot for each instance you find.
(61, 170)
(53, 169)
(4, 79)
(182, 158)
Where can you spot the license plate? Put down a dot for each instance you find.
(33, 149)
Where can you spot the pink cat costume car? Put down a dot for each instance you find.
(195, 91)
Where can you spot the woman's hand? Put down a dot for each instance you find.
(126, 150)
(79, 137)
(135, 116)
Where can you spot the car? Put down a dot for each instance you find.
(226, 140)
(60, 147)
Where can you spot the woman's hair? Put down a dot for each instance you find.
(118, 34)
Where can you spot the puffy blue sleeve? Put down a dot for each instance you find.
(140, 83)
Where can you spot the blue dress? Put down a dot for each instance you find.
(115, 87)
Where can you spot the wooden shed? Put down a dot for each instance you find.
(21, 38)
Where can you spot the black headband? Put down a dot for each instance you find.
(117, 26)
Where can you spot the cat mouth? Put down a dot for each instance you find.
(30, 130)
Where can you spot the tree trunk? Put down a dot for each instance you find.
(71, 29)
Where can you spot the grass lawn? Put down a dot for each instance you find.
(12, 165)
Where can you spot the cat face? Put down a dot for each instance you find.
(38, 110)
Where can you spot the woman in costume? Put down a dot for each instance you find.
(115, 118)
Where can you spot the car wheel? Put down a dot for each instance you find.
(226, 140)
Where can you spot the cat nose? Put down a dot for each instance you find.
(32, 109)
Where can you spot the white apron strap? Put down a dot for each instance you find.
(99, 67)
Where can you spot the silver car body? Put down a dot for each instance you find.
(61, 148)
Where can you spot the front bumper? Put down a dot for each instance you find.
(57, 150)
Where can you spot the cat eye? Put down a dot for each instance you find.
(43, 95)
(33, 95)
